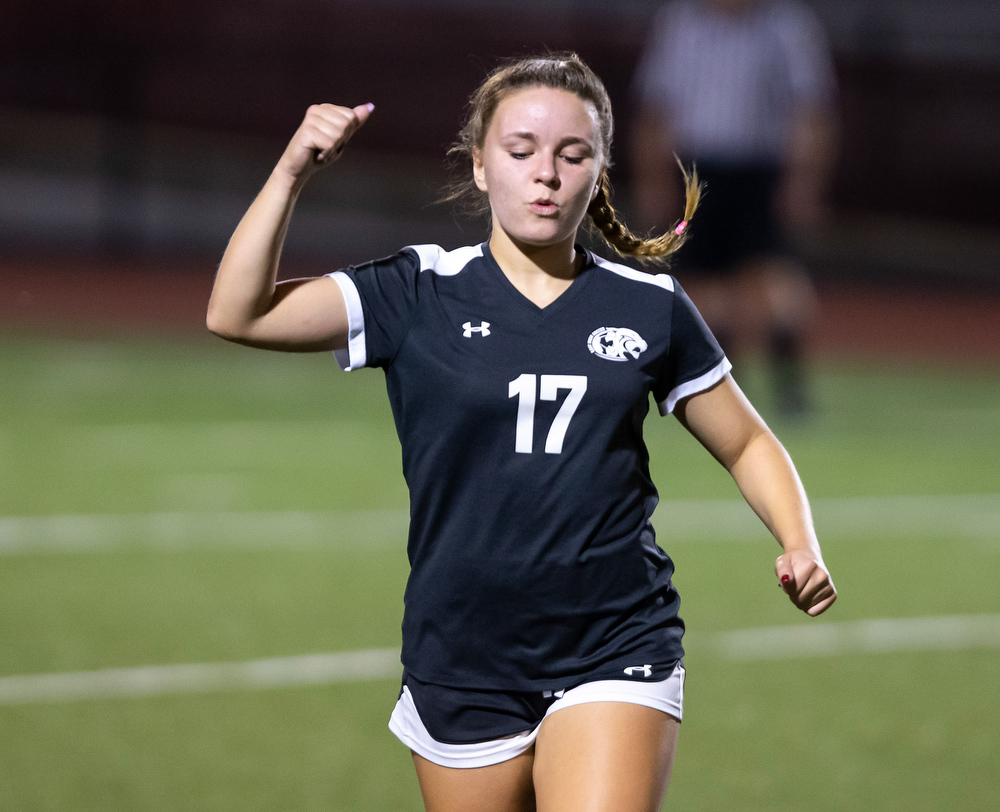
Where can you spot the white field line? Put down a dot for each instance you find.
(199, 678)
(239, 530)
(779, 642)
(974, 517)
(947, 633)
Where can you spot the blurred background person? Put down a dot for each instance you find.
(743, 89)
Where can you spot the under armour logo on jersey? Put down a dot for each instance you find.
(483, 329)
(647, 670)
(616, 343)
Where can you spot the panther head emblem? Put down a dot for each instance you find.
(616, 343)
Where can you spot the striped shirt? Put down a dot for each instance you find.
(727, 83)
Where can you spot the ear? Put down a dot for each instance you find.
(597, 186)
(478, 171)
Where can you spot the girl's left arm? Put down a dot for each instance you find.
(724, 421)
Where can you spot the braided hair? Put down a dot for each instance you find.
(563, 71)
(616, 234)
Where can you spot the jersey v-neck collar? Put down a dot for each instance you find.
(556, 305)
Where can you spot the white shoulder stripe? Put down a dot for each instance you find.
(445, 263)
(661, 280)
(693, 387)
(355, 355)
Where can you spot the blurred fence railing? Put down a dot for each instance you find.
(182, 105)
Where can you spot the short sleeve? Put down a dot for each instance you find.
(380, 298)
(695, 361)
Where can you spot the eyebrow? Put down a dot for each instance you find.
(525, 135)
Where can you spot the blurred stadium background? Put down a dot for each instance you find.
(170, 504)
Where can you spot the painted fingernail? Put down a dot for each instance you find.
(785, 579)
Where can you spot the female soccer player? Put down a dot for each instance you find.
(541, 642)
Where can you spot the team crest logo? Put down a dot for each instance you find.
(616, 343)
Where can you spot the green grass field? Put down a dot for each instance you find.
(125, 464)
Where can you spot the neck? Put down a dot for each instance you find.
(540, 272)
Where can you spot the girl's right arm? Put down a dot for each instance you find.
(247, 304)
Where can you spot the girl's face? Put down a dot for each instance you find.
(540, 164)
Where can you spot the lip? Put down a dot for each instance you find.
(544, 206)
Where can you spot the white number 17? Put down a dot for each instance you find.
(524, 387)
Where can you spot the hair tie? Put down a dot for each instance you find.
(680, 227)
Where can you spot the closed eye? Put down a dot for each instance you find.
(519, 156)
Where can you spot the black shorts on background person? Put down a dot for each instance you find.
(736, 221)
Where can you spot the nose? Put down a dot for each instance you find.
(546, 171)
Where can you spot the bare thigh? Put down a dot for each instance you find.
(504, 787)
(604, 757)
(594, 757)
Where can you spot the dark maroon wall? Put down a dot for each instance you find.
(917, 139)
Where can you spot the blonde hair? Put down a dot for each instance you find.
(563, 71)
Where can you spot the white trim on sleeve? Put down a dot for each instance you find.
(693, 387)
(660, 280)
(355, 356)
(445, 263)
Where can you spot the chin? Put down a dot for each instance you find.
(540, 239)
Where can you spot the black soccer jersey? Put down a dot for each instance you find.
(533, 560)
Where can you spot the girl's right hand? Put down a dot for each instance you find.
(320, 138)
